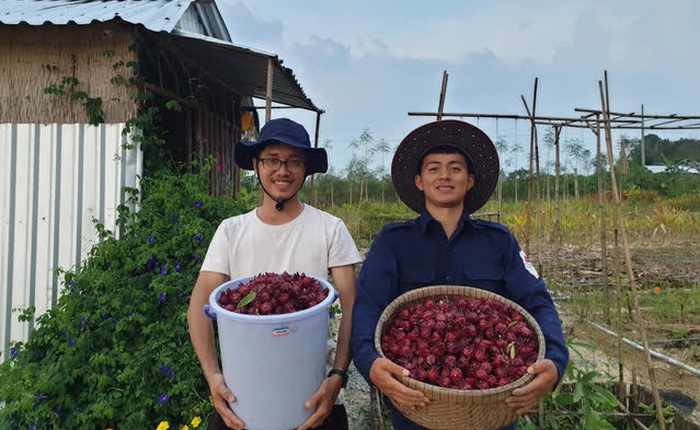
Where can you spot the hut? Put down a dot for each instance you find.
(75, 79)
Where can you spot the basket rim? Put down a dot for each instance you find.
(412, 296)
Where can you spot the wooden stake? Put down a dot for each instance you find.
(557, 176)
(268, 90)
(628, 258)
(601, 214)
(443, 90)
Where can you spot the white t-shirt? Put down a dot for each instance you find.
(311, 243)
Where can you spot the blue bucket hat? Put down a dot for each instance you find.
(288, 132)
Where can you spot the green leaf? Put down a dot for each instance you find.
(247, 299)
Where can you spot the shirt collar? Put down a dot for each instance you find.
(426, 219)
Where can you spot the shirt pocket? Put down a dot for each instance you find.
(415, 274)
(487, 277)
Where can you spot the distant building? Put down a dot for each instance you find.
(663, 168)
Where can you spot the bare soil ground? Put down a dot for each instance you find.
(667, 262)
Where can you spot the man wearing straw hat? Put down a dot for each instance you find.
(283, 234)
(445, 171)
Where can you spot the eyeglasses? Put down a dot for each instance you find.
(293, 165)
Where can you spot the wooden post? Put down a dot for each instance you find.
(605, 101)
(443, 90)
(601, 215)
(644, 158)
(311, 181)
(557, 174)
(268, 90)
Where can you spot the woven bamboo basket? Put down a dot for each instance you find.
(451, 409)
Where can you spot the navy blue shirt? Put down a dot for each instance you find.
(417, 253)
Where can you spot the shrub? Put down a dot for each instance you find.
(114, 352)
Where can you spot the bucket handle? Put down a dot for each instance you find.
(209, 312)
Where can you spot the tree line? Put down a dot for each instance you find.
(365, 177)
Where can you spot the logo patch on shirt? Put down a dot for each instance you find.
(528, 265)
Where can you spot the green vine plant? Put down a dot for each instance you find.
(67, 86)
(584, 400)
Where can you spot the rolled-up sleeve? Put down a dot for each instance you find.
(376, 287)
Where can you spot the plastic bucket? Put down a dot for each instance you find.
(272, 363)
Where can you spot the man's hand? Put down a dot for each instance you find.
(382, 375)
(524, 398)
(222, 396)
(322, 400)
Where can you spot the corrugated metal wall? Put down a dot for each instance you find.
(54, 179)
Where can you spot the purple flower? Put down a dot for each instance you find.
(198, 257)
(13, 352)
(162, 297)
(135, 271)
(151, 239)
(83, 320)
(57, 411)
(177, 267)
(331, 314)
(130, 313)
(198, 204)
(32, 426)
(164, 398)
(71, 342)
(63, 331)
(166, 369)
(176, 218)
(40, 397)
(197, 237)
(116, 320)
(71, 283)
(163, 269)
(105, 315)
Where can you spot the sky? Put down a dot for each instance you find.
(367, 64)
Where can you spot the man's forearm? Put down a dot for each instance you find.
(202, 337)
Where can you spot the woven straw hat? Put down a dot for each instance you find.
(468, 138)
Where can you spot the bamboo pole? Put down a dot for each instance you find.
(268, 90)
(538, 194)
(311, 180)
(443, 90)
(557, 175)
(605, 102)
(601, 214)
(528, 204)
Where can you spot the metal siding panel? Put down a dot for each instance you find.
(11, 143)
(20, 278)
(69, 186)
(55, 178)
(56, 191)
(5, 210)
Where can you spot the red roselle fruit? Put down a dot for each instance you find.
(274, 294)
(461, 343)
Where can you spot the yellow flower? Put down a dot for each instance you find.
(163, 425)
(185, 427)
(195, 422)
(196, 410)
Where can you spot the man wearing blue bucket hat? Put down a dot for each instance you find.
(282, 234)
(445, 171)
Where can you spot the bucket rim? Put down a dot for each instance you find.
(235, 283)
